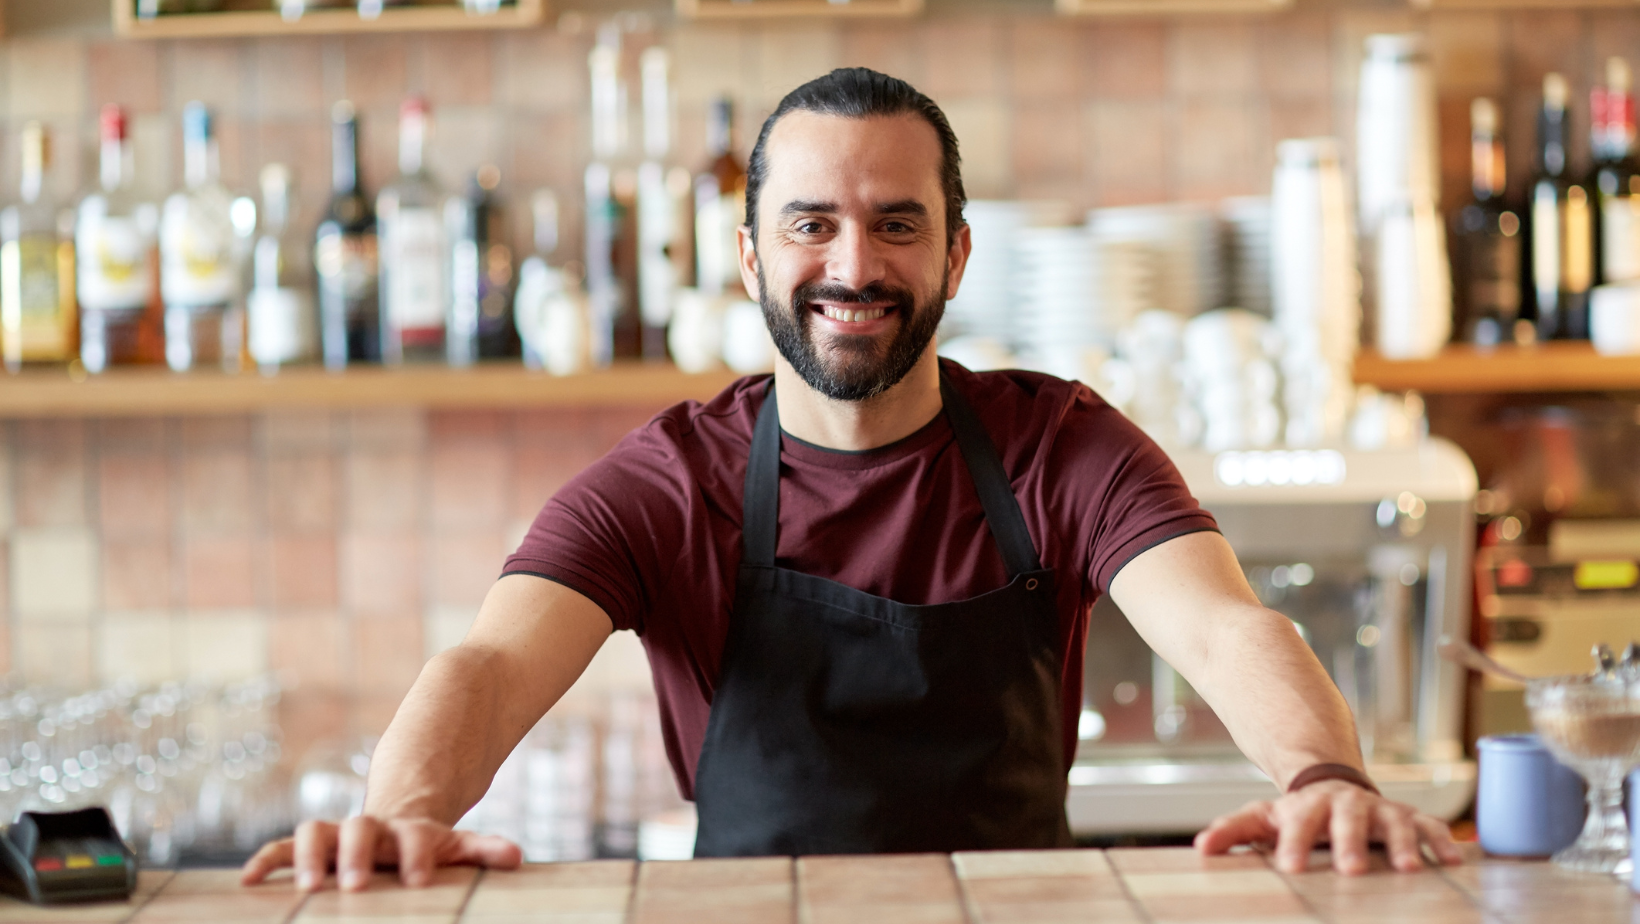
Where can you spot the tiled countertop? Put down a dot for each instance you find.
(1142, 885)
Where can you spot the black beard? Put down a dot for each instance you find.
(853, 370)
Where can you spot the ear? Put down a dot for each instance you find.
(748, 261)
(956, 259)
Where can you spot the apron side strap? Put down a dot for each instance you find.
(760, 506)
(996, 494)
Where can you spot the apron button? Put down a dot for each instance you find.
(1030, 584)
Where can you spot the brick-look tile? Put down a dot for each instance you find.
(459, 68)
(1124, 60)
(1351, 26)
(8, 510)
(890, 48)
(1217, 60)
(546, 150)
(1610, 32)
(456, 427)
(136, 574)
(50, 472)
(303, 571)
(312, 717)
(302, 429)
(961, 58)
(1047, 142)
(47, 77)
(218, 432)
(143, 647)
(1294, 56)
(1219, 151)
(53, 654)
(1043, 54)
(377, 71)
(217, 491)
(1467, 52)
(132, 434)
(289, 77)
(301, 491)
(445, 626)
(789, 55)
(133, 495)
(469, 483)
(125, 73)
(1130, 144)
(220, 571)
(462, 139)
(543, 70)
(54, 574)
(382, 573)
(310, 650)
(465, 563)
(385, 489)
(388, 654)
(225, 647)
(213, 72)
(1295, 118)
(403, 428)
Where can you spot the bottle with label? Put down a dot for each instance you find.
(199, 266)
(345, 255)
(1616, 176)
(1486, 248)
(38, 318)
(114, 258)
(278, 308)
(720, 208)
(665, 224)
(611, 211)
(551, 311)
(481, 274)
(414, 280)
(1561, 227)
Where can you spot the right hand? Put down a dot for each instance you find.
(359, 845)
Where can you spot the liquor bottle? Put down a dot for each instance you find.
(414, 282)
(1486, 247)
(665, 223)
(38, 319)
(611, 200)
(345, 255)
(551, 309)
(279, 312)
(199, 271)
(1562, 227)
(720, 208)
(481, 269)
(114, 258)
(1616, 176)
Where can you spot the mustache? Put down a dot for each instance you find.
(837, 292)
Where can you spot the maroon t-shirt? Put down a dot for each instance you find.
(651, 532)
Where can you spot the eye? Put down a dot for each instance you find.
(810, 226)
(897, 226)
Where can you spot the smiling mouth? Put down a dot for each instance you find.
(848, 315)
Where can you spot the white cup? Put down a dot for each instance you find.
(1614, 319)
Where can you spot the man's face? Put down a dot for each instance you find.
(852, 264)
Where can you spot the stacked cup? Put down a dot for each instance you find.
(1230, 379)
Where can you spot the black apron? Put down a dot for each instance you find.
(848, 723)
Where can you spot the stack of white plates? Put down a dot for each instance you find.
(1076, 292)
(984, 303)
(1184, 239)
(1247, 252)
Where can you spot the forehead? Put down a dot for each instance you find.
(830, 158)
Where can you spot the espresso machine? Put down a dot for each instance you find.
(1369, 554)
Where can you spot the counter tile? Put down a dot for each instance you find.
(1179, 859)
(1225, 882)
(1001, 864)
(1195, 908)
(16, 912)
(1044, 889)
(876, 881)
(247, 908)
(386, 898)
(548, 917)
(1105, 912)
(886, 914)
(511, 901)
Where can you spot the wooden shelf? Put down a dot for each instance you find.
(440, 17)
(781, 9)
(157, 392)
(1165, 7)
(1463, 369)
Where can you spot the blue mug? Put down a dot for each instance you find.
(1527, 803)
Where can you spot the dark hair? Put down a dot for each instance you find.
(862, 93)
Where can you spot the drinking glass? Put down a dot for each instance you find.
(1592, 724)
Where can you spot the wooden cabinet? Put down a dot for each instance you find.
(444, 15)
(787, 9)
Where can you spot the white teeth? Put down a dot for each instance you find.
(844, 315)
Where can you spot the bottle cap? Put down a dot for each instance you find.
(1618, 79)
(488, 177)
(1554, 91)
(343, 111)
(112, 123)
(1483, 116)
(196, 122)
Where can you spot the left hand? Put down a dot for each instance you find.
(1348, 816)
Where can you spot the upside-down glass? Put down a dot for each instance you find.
(1592, 724)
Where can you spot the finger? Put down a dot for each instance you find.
(1250, 824)
(486, 850)
(418, 848)
(356, 857)
(1400, 837)
(1301, 825)
(272, 856)
(315, 848)
(1351, 825)
(1439, 838)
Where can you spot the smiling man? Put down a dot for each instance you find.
(864, 582)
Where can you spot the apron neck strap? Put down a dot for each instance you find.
(761, 502)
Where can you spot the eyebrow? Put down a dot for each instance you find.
(816, 207)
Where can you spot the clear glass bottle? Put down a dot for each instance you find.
(414, 282)
(665, 223)
(1561, 227)
(199, 259)
(1616, 175)
(280, 316)
(115, 258)
(720, 208)
(481, 274)
(345, 255)
(1486, 250)
(611, 211)
(38, 319)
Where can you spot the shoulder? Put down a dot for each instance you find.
(1018, 405)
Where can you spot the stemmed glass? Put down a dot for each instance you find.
(1592, 724)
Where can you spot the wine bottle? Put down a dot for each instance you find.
(1616, 176)
(720, 208)
(114, 258)
(345, 255)
(280, 317)
(611, 200)
(38, 320)
(481, 274)
(1562, 227)
(665, 223)
(1487, 240)
(199, 271)
(414, 282)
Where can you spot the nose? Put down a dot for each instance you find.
(855, 258)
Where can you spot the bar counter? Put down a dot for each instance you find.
(1129, 886)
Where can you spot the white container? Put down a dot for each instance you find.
(1414, 288)
(1396, 142)
(1614, 319)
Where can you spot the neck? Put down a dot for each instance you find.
(853, 426)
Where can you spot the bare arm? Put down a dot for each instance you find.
(468, 709)
(1190, 602)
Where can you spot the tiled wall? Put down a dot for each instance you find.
(342, 548)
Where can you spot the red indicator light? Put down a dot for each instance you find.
(49, 865)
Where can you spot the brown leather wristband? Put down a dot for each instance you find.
(1319, 772)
